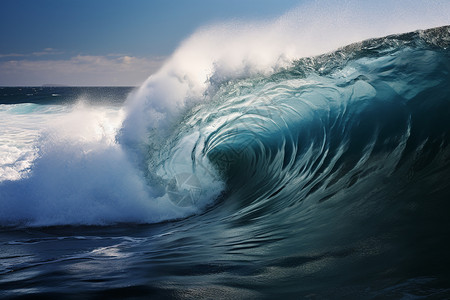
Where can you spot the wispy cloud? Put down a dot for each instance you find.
(46, 51)
(12, 55)
(79, 70)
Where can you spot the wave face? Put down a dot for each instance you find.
(352, 120)
(340, 162)
(333, 162)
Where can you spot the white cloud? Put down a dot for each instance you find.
(83, 70)
(47, 51)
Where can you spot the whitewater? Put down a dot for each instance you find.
(306, 156)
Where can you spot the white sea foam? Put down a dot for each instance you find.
(75, 172)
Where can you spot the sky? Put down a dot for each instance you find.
(107, 42)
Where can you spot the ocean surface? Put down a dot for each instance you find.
(324, 177)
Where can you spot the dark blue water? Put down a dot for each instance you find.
(336, 184)
(62, 95)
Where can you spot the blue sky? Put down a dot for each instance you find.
(87, 42)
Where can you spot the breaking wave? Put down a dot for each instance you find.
(251, 118)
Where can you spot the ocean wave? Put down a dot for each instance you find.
(328, 123)
(257, 142)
